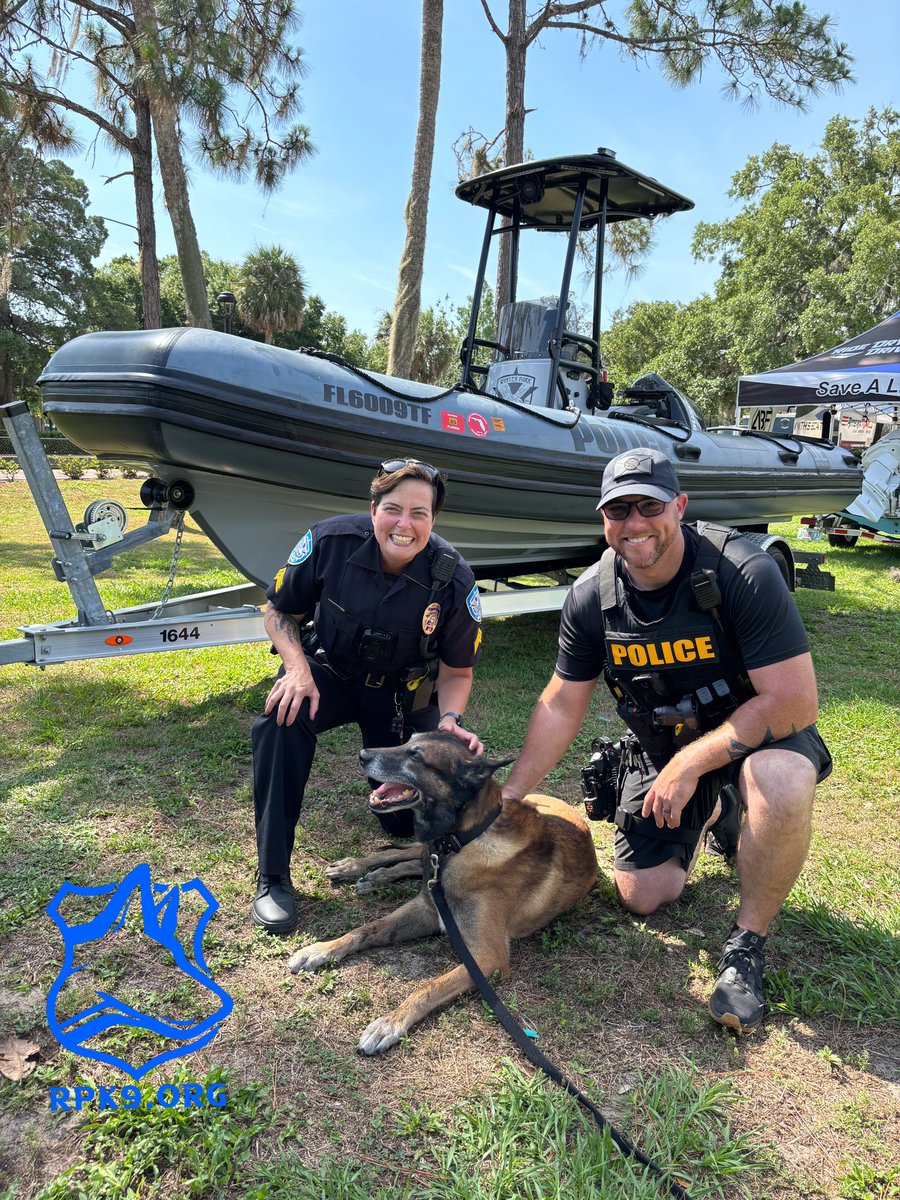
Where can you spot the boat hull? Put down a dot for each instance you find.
(272, 441)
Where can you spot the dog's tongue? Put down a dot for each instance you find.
(390, 793)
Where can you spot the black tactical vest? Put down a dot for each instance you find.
(683, 662)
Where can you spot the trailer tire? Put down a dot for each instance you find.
(782, 563)
(846, 540)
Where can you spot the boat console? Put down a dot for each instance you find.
(522, 370)
(655, 399)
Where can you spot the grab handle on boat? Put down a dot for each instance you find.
(788, 456)
(690, 452)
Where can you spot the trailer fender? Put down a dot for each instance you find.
(778, 549)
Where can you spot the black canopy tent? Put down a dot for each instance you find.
(864, 369)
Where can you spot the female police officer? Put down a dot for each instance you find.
(396, 633)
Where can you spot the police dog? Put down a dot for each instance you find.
(535, 860)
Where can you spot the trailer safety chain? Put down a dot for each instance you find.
(178, 525)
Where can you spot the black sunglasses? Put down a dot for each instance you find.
(397, 464)
(618, 510)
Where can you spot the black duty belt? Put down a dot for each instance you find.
(375, 678)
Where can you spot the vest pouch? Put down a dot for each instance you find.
(658, 744)
(338, 634)
(417, 693)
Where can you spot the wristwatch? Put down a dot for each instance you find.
(457, 717)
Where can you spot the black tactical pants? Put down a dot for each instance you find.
(283, 756)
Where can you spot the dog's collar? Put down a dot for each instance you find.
(452, 843)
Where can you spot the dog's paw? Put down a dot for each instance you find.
(380, 1036)
(344, 870)
(310, 958)
(375, 879)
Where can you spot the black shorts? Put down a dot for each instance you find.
(636, 851)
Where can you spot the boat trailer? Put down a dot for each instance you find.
(224, 616)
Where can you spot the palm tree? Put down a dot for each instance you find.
(402, 348)
(271, 292)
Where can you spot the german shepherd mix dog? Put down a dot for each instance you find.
(531, 863)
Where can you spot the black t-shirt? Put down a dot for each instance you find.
(757, 609)
(337, 564)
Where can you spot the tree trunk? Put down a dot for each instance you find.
(164, 112)
(514, 139)
(142, 158)
(175, 189)
(405, 319)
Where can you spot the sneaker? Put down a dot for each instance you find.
(738, 999)
(275, 906)
(722, 837)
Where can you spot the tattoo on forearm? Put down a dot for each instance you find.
(738, 749)
(286, 624)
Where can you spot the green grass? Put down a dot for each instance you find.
(105, 764)
(519, 1140)
(165, 1152)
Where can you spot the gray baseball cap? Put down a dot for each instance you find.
(639, 472)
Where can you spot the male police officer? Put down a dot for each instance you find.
(699, 640)
(397, 632)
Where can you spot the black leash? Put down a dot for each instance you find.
(508, 1021)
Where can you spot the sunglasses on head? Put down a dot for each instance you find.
(397, 464)
(618, 510)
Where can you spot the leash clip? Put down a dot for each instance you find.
(435, 870)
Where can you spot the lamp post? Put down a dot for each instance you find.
(226, 302)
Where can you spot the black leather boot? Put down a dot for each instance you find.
(275, 906)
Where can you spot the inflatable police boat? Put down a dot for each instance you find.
(260, 442)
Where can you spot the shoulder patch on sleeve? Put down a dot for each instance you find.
(302, 550)
(473, 603)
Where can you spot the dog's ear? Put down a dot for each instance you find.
(479, 770)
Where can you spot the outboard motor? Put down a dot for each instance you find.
(651, 395)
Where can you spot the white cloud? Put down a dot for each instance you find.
(466, 272)
(376, 283)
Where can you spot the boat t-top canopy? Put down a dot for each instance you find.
(565, 195)
(544, 195)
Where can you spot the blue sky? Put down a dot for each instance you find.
(341, 214)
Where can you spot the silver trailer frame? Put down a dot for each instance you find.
(222, 617)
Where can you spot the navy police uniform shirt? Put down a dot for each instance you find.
(335, 572)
